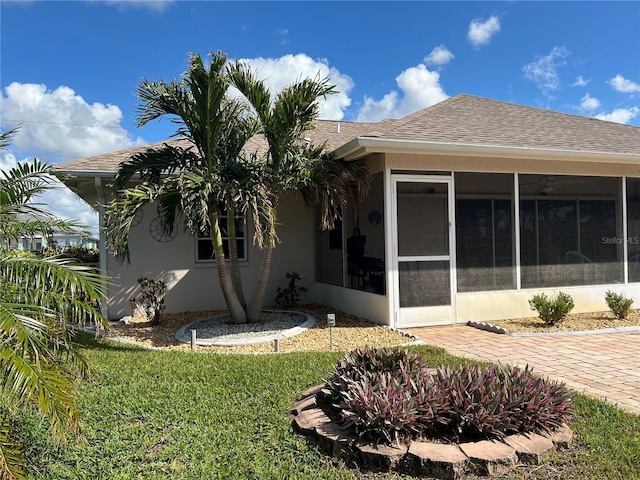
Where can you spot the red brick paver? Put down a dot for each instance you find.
(605, 365)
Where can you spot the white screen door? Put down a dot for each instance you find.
(423, 243)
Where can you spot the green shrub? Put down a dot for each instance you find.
(151, 298)
(552, 309)
(389, 396)
(80, 253)
(290, 296)
(618, 304)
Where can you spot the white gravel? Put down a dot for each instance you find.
(214, 330)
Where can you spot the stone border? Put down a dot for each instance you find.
(503, 331)
(183, 335)
(435, 460)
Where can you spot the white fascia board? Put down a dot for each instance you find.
(84, 173)
(361, 146)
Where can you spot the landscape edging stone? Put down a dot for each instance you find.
(437, 460)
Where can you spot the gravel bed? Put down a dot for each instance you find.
(273, 324)
(350, 332)
(575, 322)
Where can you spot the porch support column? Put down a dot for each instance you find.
(389, 225)
(104, 308)
(516, 229)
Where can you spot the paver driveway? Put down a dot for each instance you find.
(603, 365)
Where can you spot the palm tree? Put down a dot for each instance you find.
(41, 298)
(203, 179)
(213, 175)
(292, 163)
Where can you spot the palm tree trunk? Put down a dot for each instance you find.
(254, 309)
(236, 311)
(233, 257)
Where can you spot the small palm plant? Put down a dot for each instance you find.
(41, 300)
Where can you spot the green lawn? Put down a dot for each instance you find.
(178, 415)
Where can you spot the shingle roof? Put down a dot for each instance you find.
(475, 120)
(328, 132)
(463, 119)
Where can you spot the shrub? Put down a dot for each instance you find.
(552, 309)
(80, 253)
(290, 296)
(151, 298)
(380, 408)
(371, 363)
(493, 401)
(397, 399)
(618, 304)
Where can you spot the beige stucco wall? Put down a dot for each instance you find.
(194, 286)
(502, 305)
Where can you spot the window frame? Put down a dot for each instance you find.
(242, 252)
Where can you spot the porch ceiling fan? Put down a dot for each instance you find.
(548, 183)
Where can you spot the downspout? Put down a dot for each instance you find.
(104, 308)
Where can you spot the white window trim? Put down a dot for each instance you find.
(242, 255)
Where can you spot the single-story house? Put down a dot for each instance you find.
(60, 238)
(476, 205)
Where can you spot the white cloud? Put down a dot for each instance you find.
(440, 55)
(420, 87)
(589, 103)
(622, 85)
(60, 200)
(283, 71)
(544, 71)
(481, 32)
(283, 34)
(620, 115)
(580, 82)
(66, 204)
(158, 6)
(7, 160)
(61, 122)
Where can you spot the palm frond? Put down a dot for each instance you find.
(331, 184)
(12, 464)
(121, 212)
(254, 90)
(20, 184)
(152, 164)
(41, 381)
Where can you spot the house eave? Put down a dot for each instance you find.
(61, 174)
(362, 146)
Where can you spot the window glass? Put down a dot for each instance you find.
(204, 249)
(485, 254)
(570, 230)
(633, 228)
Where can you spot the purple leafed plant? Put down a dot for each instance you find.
(389, 396)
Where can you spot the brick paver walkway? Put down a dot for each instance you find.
(604, 365)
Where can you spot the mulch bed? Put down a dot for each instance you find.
(572, 323)
(350, 332)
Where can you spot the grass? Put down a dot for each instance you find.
(178, 415)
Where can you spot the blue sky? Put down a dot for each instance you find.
(69, 70)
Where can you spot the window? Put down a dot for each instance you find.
(633, 228)
(485, 256)
(204, 250)
(570, 230)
